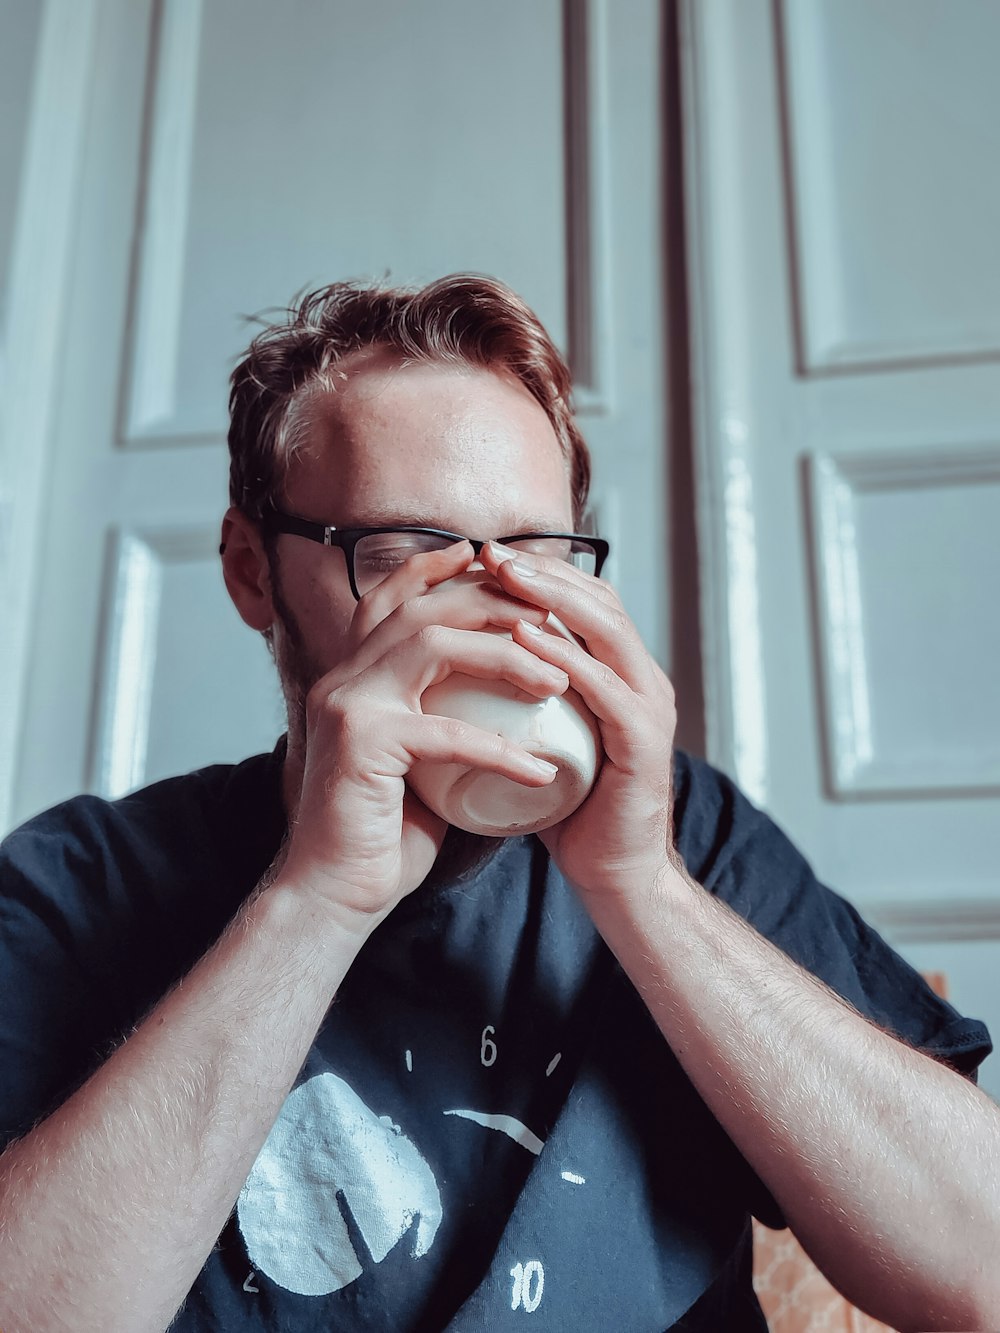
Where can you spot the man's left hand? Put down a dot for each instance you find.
(622, 835)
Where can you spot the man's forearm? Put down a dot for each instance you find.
(110, 1207)
(886, 1163)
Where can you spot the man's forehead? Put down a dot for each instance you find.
(431, 446)
(371, 387)
(509, 523)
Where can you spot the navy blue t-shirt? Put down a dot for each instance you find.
(489, 1125)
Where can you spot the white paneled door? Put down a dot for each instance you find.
(218, 157)
(844, 208)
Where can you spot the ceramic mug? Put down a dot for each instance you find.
(560, 729)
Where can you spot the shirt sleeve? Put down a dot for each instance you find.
(49, 1019)
(739, 854)
(104, 905)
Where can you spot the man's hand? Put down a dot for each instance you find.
(359, 837)
(622, 835)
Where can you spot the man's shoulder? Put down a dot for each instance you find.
(174, 812)
(136, 888)
(712, 816)
(734, 849)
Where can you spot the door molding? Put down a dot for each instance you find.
(735, 703)
(150, 402)
(950, 920)
(588, 259)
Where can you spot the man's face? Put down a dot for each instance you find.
(436, 446)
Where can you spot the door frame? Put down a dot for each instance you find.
(40, 277)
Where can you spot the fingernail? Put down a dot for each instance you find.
(525, 571)
(529, 628)
(544, 766)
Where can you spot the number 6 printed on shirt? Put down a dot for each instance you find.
(488, 1047)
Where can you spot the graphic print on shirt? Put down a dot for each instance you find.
(507, 1124)
(328, 1150)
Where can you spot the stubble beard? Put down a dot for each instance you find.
(462, 855)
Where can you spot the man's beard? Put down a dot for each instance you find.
(461, 855)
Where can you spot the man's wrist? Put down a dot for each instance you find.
(650, 889)
(671, 880)
(306, 916)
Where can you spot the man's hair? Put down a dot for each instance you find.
(465, 319)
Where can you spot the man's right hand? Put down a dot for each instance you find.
(360, 840)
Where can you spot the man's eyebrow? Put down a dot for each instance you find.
(408, 519)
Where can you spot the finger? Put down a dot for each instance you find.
(446, 740)
(414, 577)
(470, 600)
(626, 728)
(495, 554)
(475, 602)
(438, 651)
(599, 619)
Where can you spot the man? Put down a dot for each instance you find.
(559, 1072)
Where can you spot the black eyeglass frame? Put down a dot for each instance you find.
(275, 521)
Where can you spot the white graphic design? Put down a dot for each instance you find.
(529, 1283)
(409, 1062)
(553, 1062)
(573, 1178)
(327, 1143)
(488, 1047)
(248, 1282)
(506, 1124)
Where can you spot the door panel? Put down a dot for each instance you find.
(19, 24)
(292, 142)
(165, 603)
(890, 116)
(842, 210)
(902, 541)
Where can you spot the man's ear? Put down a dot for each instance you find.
(246, 571)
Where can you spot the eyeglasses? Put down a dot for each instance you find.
(373, 553)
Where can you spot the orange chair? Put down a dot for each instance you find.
(793, 1293)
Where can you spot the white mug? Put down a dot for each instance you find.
(560, 729)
